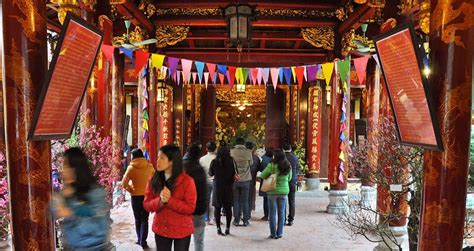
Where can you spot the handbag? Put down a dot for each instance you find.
(236, 175)
(270, 182)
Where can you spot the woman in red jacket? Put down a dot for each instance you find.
(171, 194)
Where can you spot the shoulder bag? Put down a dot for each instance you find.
(270, 182)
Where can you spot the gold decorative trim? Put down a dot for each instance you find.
(295, 13)
(320, 37)
(170, 35)
(32, 21)
(252, 95)
(148, 8)
(425, 16)
(348, 42)
(188, 12)
(137, 35)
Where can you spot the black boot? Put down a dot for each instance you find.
(227, 231)
(219, 231)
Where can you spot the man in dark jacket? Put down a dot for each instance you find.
(291, 196)
(253, 170)
(196, 171)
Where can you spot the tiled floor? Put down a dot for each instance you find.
(314, 229)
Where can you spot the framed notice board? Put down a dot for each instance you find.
(66, 80)
(400, 59)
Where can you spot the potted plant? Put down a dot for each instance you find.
(300, 152)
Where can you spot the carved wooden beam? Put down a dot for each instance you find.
(260, 4)
(356, 19)
(131, 11)
(260, 22)
(256, 35)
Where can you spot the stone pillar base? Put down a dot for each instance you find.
(368, 197)
(337, 201)
(312, 184)
(401, 237)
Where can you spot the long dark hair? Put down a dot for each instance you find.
(193, 152)
(85, 180)
(279, 158)
(269, 152)
(158, 181)
(223, 152)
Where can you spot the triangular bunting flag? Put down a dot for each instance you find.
(145, 115)
(274, 72)
(238, 75)
(265, 75)
(341, 172)
(127, 52)
(376, 58)
(214, 78)
(222, 69)
(145, 124)
(343, 117)
(108, 51)
(342, 127)
(145, 93)
(178, 77)
(194, 77)
(211, 68)
(312, 70)
(200, 69)
(342, 157)
(343, 69)
(281, 74)
(259, 76)
(221, 78)
(360, 65)
(287, 72)
(206, 78)
(327, 71)
(145, 104)
(231, 75)
(186, 65)
(293, 68)
(305, 72)
(245, 74)
(342, 146)
(157, 60)
(299, 75)
(173, 65)
(342, 137)
(254, 75)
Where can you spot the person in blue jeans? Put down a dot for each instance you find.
(243, 160)
(277, 197)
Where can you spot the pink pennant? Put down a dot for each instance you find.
(259, 76)
(360, 65)
(274, 73)
(186, 64)
(178, 74)
(221, 78)
(266, 75)
(341, 172)
(254, 75)
(206, 78)
(194, 77)
(211, 68)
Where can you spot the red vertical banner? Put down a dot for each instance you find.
(166, 128)
(188, 114)
(314, 126)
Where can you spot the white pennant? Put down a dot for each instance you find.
(206, 78)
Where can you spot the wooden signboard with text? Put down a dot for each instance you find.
(410, 98)
(66, 80)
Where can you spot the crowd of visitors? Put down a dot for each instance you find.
(180, 191)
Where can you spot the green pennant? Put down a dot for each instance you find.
(145, 115)
(245, 74)
(343, 69)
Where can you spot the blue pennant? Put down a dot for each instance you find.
(342, 137)
(343, 117)
(287, 71)
(127, 52)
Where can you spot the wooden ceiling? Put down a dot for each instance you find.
(276, 31)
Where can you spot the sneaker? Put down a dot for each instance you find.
(219, 232)
(246, 223)
(145, 246)
(264, 218)
(272, 237)
(235, 223)
(211, 222)
(290, 223)
(279, 237)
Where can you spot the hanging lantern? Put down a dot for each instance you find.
(238, 24)
(160, 86)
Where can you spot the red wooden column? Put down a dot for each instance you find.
(373, 101)
(29, 162)
(338, 189)
(445, 173)
(275, 121)
(134, 119)
(208, 115)
(153, 117)
(118, 103)
(104, 94)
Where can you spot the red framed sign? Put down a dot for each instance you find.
(410, 98)
(66, 80)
